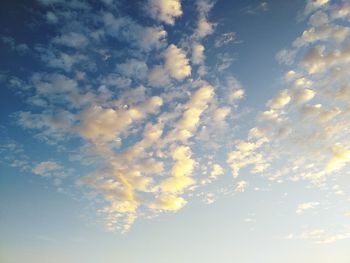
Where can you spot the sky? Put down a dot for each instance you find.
(175, 131)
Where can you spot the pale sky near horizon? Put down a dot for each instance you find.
(171, 131)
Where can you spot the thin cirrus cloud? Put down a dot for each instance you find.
(155, 129)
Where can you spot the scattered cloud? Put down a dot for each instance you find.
(306, 206)
(165, 11)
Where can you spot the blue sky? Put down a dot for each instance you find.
(174, 131)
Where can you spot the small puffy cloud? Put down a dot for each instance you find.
(51, 18)
(152, 37)
(217, 170)
(340, 157)
(126, 29)
(195, 107)
(184, 165)
(165, 10)
(241, 186)
(204, 28)
(72, 39)
(220, 114)
(290, 75)
(176, 62)
(158, 76)
(234, 90)
(303, 82)
(245, 155)
(303, 95)
(46, 168)
(133, 68)
(197, 53)
(306, 206)
(280, 101)
(168, 202)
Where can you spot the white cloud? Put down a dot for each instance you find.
(280, 101)
(204, 28)
(241, 186)
(197, 53)
(165, 10)
(303, 95)
(176, 62)
(340, 156)
(168, 202)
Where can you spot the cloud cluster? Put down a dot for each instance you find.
(155, 129)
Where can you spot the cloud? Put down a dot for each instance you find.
(46, 168)
(153, 134)
(51, 18)
(286, 56)
(168, 202)
(317, 60)
(306, 206)
(126, 29)
(21, 48)
(217, 170)
(303, 95)
(176, 62)
(340, 156)
(280, 101)
(133, 68)
(313, 5)
(204, 27)
(159, 77)
(195, 108)
(253, 10)
(165, 10)
(241, 186)
(321, 33)
(225, 39)
(197, 53)
(72, 39)
(321, 236)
